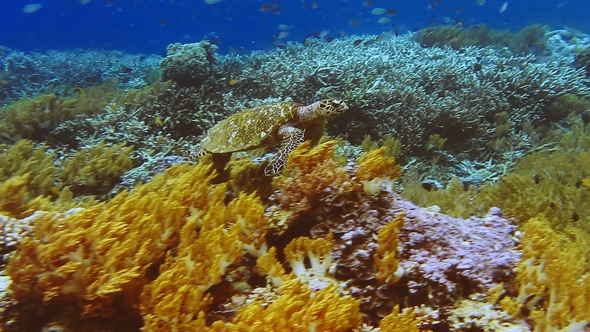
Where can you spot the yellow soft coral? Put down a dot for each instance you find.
(554, 278)
(97, 258)
(305, 159)
(386, 257)
(298, 308)
(399, 322)
(209, 243)
(375, 168)
(269, 265)
(176, 300)
(318, 251)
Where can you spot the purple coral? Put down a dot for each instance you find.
(456, 256)
(444, 258)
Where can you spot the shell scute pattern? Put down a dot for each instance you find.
(250, 128)
(287, 123)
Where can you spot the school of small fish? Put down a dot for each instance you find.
(385, 16)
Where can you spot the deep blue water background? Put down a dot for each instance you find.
(144, 26)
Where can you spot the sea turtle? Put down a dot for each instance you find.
(287, 123)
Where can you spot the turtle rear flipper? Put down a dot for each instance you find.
(292, 138)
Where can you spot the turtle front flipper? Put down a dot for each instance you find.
(292, 137)
(315, 131)
(198, 153)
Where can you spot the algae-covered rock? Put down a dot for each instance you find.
(188, 64)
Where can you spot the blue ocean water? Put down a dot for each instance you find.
(148, 26)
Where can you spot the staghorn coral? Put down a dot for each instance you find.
(12, 231)
(553, 289)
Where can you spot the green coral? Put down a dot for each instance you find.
(480, 35)
(95, 171)
(34, 118)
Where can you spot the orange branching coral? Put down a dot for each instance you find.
(318, 251)
(386, 257)
(399, 322)
(554, 278)
(305, 160)
(298, 308)
(97, 258)
(176, 300)
(311, 172)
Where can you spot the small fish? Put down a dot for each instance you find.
(84, 2)
(480, 2)
(368, 3)
(369, 42)
(284, 27)
(271, 7)
(354, 22)
(315, 5)
(211, 2)
(378, 11)
(391, 12)
(109, 3)
(158, 121)
(384, 36)
(162, 23)
(282, 35)
(233, 81)
(357, 42)
(31, 8)
(321, 34)
(458, 10)
(384, 20)
(434, 4)
(503, 8)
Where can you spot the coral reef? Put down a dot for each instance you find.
(188, 64)
(329, 242)
(553, 289)
(57, 72)
(455, 36)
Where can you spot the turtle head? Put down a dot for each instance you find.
(329, 108)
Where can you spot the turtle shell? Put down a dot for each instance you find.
(250, 129)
